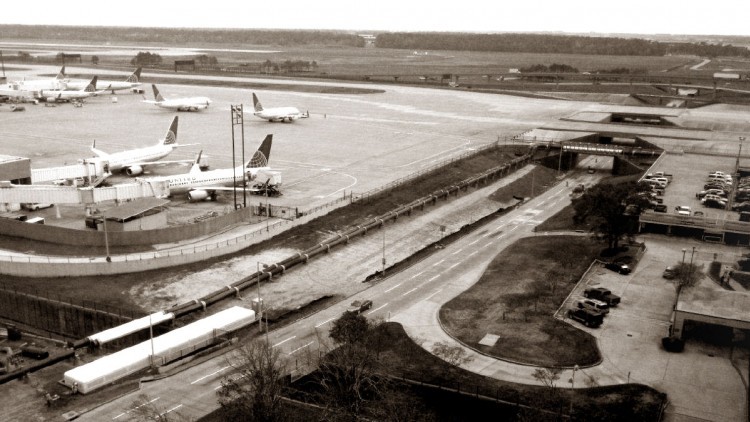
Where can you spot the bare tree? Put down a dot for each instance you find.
(454, 355)
(253, 391)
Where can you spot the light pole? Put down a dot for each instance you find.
(690, 269)
(737, 165)
(260, 305)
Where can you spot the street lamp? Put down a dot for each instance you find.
(737, 165)
(260, 305)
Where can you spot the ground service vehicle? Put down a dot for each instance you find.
(359, 306)
(586, 317)
(602, 294)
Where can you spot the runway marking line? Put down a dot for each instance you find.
(410, 291)
(416, 275)
(206, 376)
(438, 263)
(135, 408)
(434, 293)
(453, 266)
(300, 348)
(473, 242)
(458, 251)
(377, 309)
(325, 322)
(473, 253)
(284, 341)
(172, 409)
(393, 287)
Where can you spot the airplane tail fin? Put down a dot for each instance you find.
(171, 137)
(157, 95)
(196, 168)
(258, 106)
(98, 152)
(262, 155)
(91, 87)
(61, 74)
(135, 77)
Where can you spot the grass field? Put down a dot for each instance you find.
(516, 298)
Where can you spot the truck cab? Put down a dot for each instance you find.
(600, 293)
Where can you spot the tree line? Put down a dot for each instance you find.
(181, 36)
(545, 43)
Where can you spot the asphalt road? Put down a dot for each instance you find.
(191, 393)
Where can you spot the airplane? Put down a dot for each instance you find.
(132, 82)
(277, 114)
(55, 95)
(57, 83)
(133, 161)
(201, 185)
(179, 104)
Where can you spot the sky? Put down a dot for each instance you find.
(716, 17)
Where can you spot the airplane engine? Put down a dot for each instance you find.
(134, 170)
(199, 195)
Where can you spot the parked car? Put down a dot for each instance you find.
(36, 206)
(605, 295)
(660, 208)
(714, 201)
(594, 304)
(586, 317)
(669, 273)
(718, 192)
(617, 267)
(682, 210)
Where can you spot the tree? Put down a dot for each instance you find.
(686, 275)
(254, 390)
(614, 209)
(454, 355)
(350, 328)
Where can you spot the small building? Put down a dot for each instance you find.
(142, 214)
(15, 169)
(712, 306)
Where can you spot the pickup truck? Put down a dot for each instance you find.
(359, 306)
(600, 293)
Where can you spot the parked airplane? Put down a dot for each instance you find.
(16, 93)
(201, 185)
(54, 95)
(56, 83)
(277, 114)
(134, 161)
(132, 82)
(179, 104)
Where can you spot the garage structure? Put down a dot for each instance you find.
(712, 306)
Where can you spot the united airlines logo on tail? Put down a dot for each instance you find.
(170, 139)
(259, 160)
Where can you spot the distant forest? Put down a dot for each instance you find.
(512, 43)
(544, 43)
(179, 36)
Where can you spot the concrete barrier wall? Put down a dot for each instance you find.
(74, 237)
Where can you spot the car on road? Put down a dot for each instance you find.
(586, 317)
(359, 306)
(617, 267)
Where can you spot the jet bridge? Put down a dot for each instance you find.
(92, 170)
(51, 194)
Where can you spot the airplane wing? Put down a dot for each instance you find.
(161, 163)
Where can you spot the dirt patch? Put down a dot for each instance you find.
(516, 299)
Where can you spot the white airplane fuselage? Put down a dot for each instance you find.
(120, 160)
(206, 179)
(279, 114)
(184, 104)
(104, 85)
(62, 95)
